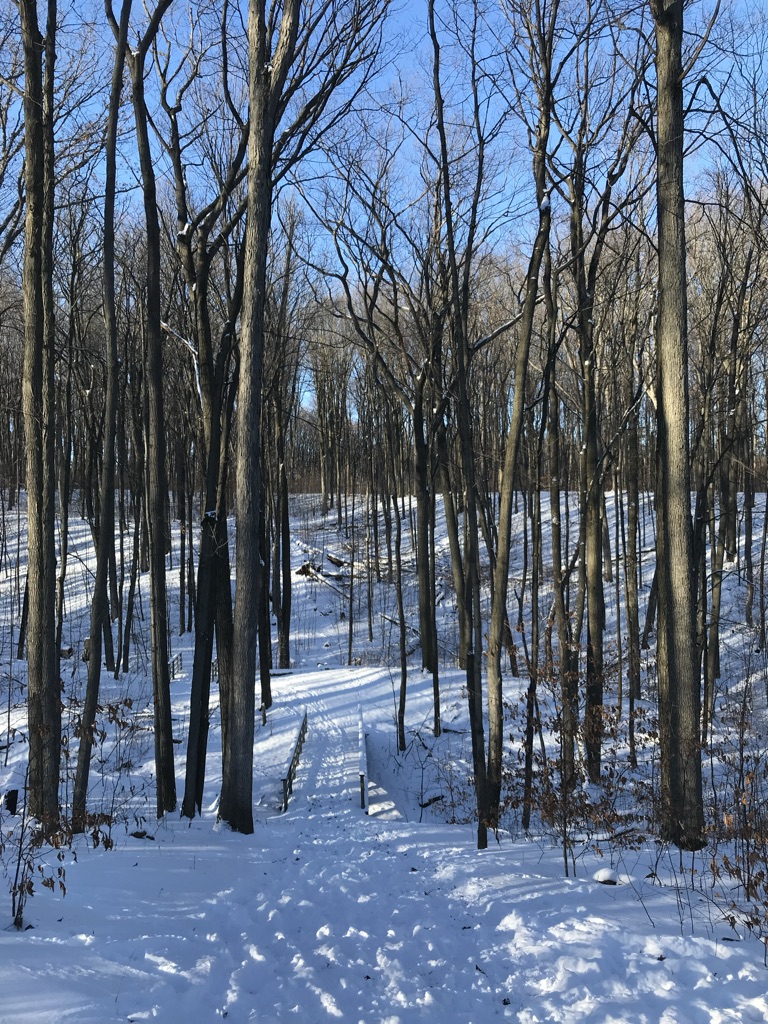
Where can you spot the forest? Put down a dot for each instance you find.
(484, 277)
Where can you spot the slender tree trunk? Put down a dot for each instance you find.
(264, 621)
(437, 727)
(459, 298)
(454, 543)
(190, 566)
(711, 651)
(368, 560)
(106, 539)
(762, 602)
(284, 527)
(213, 560)
(117, 574)
(351, 594)
(64, 463)
(181, 505)
(630, 466)
(224, 631)
(749, 506)
(509, 473)
(569, 714)
(133, 580)
(426, 605)
(401, 744)
(593, 716)
(24, 623)
(531, 702)
(156, 505)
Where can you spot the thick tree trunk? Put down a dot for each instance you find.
(679, 685)
(38, 408)
(267, 75)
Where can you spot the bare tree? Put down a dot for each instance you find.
(154, 437)
(300, 55)
(679, 687)
(207, 235)
(601, 129)
(106, 534)
(39, 411)
(538, 26)
(287, 320)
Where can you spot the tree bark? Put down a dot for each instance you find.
(511, 457)
(266, 78)
(106, 534)
(44, 700)
(156, 504)
(460, 300)
(679, 685)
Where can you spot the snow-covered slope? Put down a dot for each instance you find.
(327, 913)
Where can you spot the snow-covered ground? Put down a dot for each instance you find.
(327, 913)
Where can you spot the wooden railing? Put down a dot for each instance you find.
(174, 665)
(290, 772)
(363, 763)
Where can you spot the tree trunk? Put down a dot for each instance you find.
(679, 686)
(156, 504)
(421, 468)
(510, 471)
(266, 79)
(459, 298)
(38, 407)
(284, 527)
(106, 539)
(133, 580)
(213, 560)
(401, 623)
(569, 674)
(452, 529)
(264, 622)
(630, 466)
(181, 461)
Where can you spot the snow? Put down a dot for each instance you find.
(330, 913)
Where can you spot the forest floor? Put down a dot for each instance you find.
(329, 913)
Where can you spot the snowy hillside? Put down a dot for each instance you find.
(327, 913)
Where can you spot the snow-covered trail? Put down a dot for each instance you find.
(326, 914)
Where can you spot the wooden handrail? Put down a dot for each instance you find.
(363, 763)
(293, 763)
